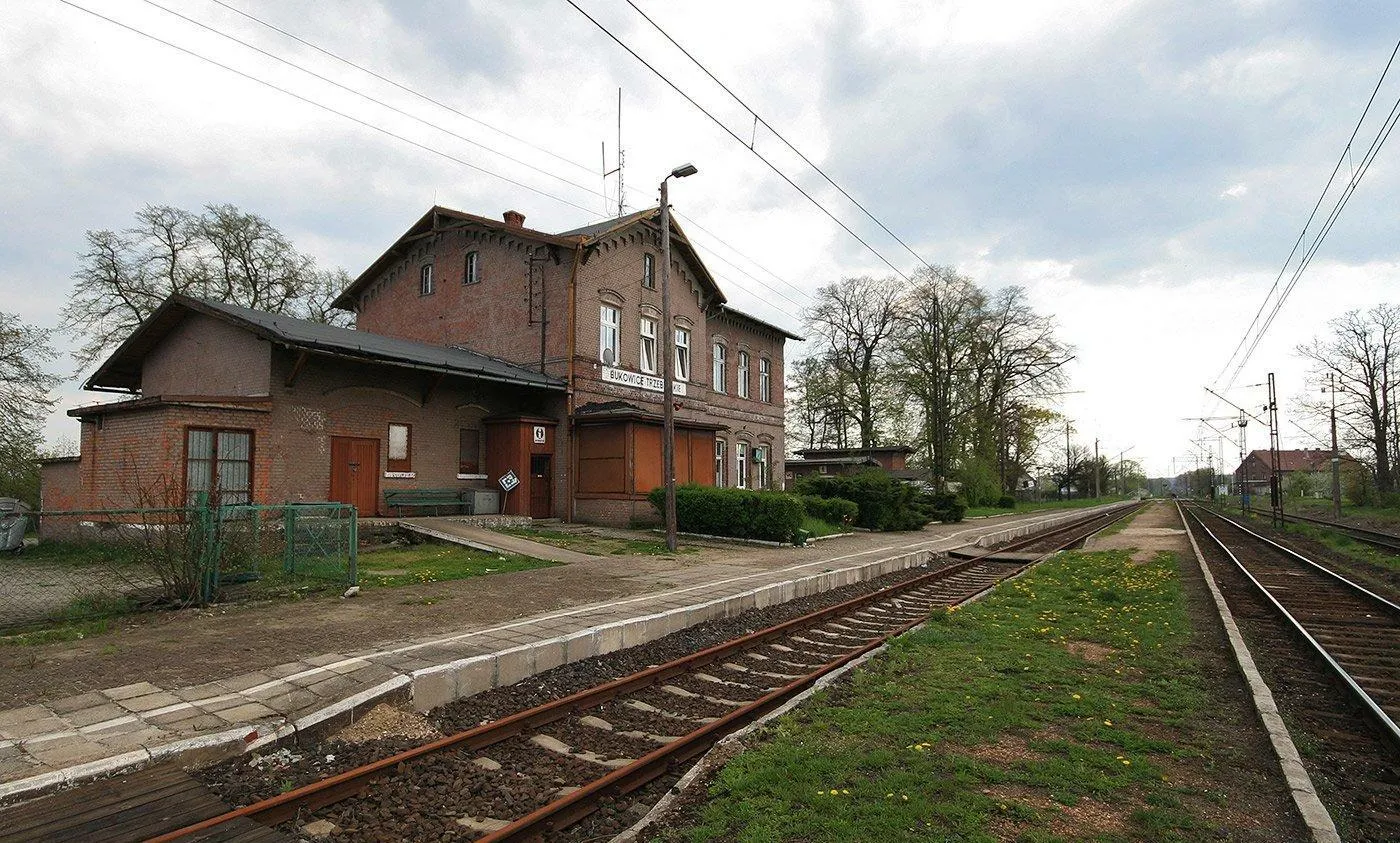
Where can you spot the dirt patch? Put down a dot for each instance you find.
(1086, 818)
(1008, 750)
(386, 721)
(1152, 531)
(1089, 651)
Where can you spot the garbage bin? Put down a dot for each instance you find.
(13, 520)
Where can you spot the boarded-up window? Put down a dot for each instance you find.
(220, 463)
(400, 447)
(602, 459)
(468, 450)
(646, 455)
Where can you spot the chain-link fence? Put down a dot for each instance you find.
(84, 564)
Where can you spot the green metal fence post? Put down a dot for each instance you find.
(208, 550)
(354, 546)
(289, 526)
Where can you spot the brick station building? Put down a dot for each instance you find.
(482, 347)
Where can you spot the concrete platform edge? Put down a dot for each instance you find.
(1310, 807)
(430, 687)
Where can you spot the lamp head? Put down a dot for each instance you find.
(684, 170)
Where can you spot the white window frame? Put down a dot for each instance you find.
(719, 359)
(682, 354)
(610, 333)
(471, 273)
(760, 465)
(765, 380)
(721, 460)
(425, 280)
(646, 349)
(741, 374)
(741, 465)
(649, 270)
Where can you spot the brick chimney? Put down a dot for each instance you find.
(514, 219)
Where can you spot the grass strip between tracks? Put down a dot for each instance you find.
(1064, 705)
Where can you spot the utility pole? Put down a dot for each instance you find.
(1244, 466)
(1275, 478)
(1067, 466)
(668, 355)
(1336, 455)
(1097, 490)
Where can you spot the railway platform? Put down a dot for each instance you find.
(63, 738)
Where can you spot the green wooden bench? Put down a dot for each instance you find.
(398, 499)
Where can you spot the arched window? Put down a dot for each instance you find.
(719, 365)
(741, 375)
(471, 268)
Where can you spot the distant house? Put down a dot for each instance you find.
(1253, 473)
(852, 461)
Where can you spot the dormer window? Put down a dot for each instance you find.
(649, 271)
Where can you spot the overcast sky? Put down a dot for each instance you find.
(1141, 168)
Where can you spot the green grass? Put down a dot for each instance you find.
(1339, 542)
(1036, 506)
(77, 554)
(818, 527)
(428, 563)
(593, 543)
(985, 723)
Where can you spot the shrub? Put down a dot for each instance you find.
(945, 506)
(1006, 502)
(738, 513)
(882, 502)
(835, 511)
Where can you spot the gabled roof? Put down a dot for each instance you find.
(438, 218)
(837, 452)
(122, 370)
(726, 310)
(1308, 459)
(600, 229)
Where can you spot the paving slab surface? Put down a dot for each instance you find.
(183, 677)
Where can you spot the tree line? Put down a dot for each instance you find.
(960, 374)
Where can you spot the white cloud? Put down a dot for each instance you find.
(1234, 191)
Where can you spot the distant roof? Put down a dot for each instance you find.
(873, 449)
(122, 370)
(598, 229)
(1308, 459)
(830, 461)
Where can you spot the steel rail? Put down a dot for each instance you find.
(567, 810)
(1375, 538)
(1382, 720)
(285, 806)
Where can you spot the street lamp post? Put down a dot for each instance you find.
(668, 355)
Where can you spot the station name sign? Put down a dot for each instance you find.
(651, 383)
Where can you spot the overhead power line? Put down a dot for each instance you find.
(370, 125)
(769, 126)
(478, 121)
(784, 176)
(1341, 159)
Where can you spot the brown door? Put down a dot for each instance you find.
(355, 473)
(541, 480)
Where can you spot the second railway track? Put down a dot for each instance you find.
(1330, 649)
(534, 774)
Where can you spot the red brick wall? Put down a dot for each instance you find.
(60, 485)
(207, 356)
(492, 316)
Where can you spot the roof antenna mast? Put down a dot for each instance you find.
(621, 159)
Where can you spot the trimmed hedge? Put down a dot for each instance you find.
(883, 503)
(1006, 502)
(737, 513)
(837, 512)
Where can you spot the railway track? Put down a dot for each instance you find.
(534, 774)
(1388, 542)
(1330, 650)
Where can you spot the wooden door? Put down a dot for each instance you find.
(355, 473)
(541, 483)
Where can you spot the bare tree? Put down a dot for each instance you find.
(854, 319)
(25, 385)
(1362, 352)
(222, 253)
